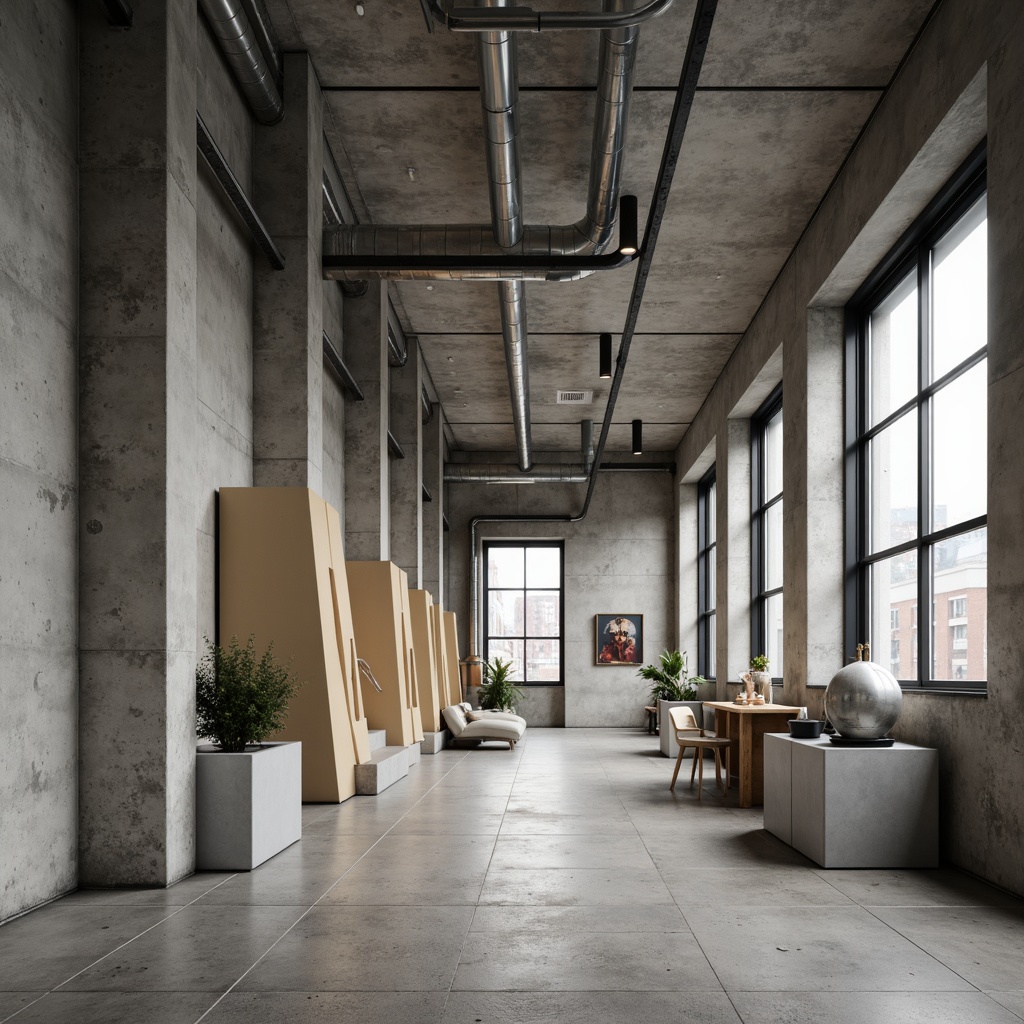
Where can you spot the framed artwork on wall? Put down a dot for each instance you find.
(619, 639)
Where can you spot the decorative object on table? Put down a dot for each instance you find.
(498, 692)
(248, 791)
(863, 701)
(805, 728)
(619, 639)
(758, 680)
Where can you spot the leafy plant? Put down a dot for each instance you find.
(498, 692)
(240, 700)
(669, 678)
(759, 663)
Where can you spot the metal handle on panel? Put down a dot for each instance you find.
(367, 671)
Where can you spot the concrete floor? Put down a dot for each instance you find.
(561, 882)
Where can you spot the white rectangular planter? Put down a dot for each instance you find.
(248, 806)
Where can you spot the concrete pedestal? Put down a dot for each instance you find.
(853, 807)
(434, 742)
(386, 766)
(248, 805)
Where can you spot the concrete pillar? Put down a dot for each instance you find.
(433, 511)
(812, 485)
(732, 561)
(686, 558)
(367, 490)
(406, 484)
(138, 447)
(288, 335)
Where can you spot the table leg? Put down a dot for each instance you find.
(745, 767)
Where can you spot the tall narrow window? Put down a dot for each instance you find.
(766, 532)
(706, 575)
(917, 483)
(523, 608)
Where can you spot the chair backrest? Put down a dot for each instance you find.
(683, 719)
(455, 718)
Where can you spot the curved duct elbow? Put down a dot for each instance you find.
(237, 40)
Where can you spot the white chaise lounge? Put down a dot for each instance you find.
(483, 725)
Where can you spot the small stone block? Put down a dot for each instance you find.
(378, 739)
(434, 742)
(414, 753)
(385, 768)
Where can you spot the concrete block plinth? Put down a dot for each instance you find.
(378, 739)
(433, 742)
(386, 767)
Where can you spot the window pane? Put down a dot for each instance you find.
(508, 650)
(892, 456)
(543, 567)
(959, 449)
(773, 546)
(893, 620)
(505, 613)
(543, 661)
(773, 631)
(710, 577)
(959, 582)
(505, 567)
(543, 613)
(711, 513)
(960, 292)
(711, 646)
(892, 330)
(773, 457)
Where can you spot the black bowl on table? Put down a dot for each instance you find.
(805, 728)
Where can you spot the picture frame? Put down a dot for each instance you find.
(619, 639)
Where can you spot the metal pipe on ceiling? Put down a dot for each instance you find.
(553, 473)
(237, 39)
(525, 19)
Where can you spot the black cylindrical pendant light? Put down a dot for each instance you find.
(638, 437)
(627, 225)
(606, 356)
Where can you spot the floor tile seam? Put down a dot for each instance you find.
(310, 907)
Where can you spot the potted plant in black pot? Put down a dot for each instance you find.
(248, 790)
(670, 688)
(498, 692)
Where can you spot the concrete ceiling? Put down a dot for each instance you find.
(786, 88)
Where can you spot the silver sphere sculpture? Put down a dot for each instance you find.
(863, 701)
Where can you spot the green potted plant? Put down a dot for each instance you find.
(759, 679)
(248, 790)
(672, 687)
(498, 692)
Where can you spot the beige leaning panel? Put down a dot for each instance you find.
(376, 590)
(279, 580)
(451, 644)
(412, 683)
(440, 656)
(426, 659)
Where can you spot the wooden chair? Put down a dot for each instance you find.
(689, 734)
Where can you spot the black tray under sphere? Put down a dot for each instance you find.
(849, 741)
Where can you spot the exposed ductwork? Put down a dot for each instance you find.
(554, 473)
(238, 41)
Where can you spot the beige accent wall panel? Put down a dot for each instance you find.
(425, 653)
(444, 694)
(278, 581)
(451, 653)
(376, 590)
(411, 674)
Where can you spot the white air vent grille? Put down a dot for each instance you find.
(575, 397)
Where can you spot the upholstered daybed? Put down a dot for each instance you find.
(468, 726)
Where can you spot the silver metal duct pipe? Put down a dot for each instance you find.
(587, 443)
(589, 235)
(499, 96)
(238, 42)
(504, 473)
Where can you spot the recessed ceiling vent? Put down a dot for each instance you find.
(574, 397)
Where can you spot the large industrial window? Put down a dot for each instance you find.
(917, 380)
(766, 532)
(706, 575)
(523, 608)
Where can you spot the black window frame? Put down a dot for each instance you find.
(759, 506)
(705, 574)
(525, 543)
(913, 250)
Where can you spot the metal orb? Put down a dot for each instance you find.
(863, 701)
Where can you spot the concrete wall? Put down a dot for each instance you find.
(621, 558)
(38, 452)
(962, 81)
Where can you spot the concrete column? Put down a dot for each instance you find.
(433, 512)
(138, 447)
(406, 419)
(812, 485)
(367, 490)
(686, 559)
(288, 335)
(732, 561)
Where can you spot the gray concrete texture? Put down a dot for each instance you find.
(38, 452)
(405, 417)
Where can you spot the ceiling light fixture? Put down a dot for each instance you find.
(638, 437)
(606, 356)
(360, 10)
(628, 243)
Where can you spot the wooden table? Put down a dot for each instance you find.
(744, 725)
